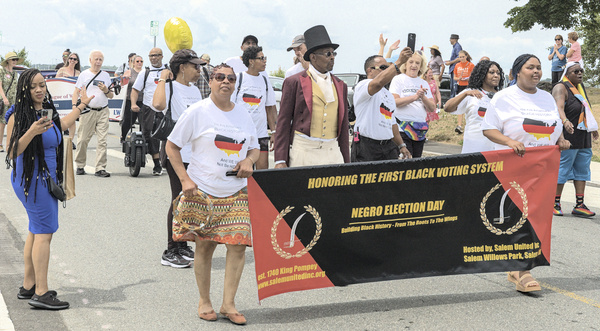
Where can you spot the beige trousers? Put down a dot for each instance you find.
(306, 152)
(90, 123)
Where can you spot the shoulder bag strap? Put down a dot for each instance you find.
(168, 113)
(88, 84)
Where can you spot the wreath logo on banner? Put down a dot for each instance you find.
(278, 249)
(488, 225)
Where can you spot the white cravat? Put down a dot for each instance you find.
(324, 82)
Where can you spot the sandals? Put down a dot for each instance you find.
(525, 283)
(235, 318)
(208, 316)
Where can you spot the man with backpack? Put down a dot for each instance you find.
(146, 82)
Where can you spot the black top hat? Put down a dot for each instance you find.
(316, 38)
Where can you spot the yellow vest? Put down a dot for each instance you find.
(324, 120)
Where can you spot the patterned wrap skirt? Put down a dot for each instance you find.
(204, 217)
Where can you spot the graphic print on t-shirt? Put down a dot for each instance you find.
(538, 129)
(481, 111)
(228, 145)
(251, 100)
(385, 111)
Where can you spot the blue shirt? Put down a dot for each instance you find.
(455, 49)
(557, 64)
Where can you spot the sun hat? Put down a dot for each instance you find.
(435, 47)
(10, 56)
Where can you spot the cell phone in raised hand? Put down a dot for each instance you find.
(412, 38)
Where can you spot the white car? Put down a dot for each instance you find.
(277, 83)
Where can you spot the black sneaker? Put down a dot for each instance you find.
(173, 259)
(26, 294)
(48, 301)
(102, 173)
(80, 171)
(157, 171)
(186, 252)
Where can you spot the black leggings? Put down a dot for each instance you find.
(175, 190)
(129, 118)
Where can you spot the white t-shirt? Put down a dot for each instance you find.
(183, 98)
(238, 66)
(151, 83)
(474, 110)
(406, 86)
(220, 140)
(529, 118)
(374, 114)
(253, 96)
(294, 70)
(100, 99)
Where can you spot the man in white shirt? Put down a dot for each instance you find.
(376, 135)
(96, 83)
(299, 48)
(146, 82)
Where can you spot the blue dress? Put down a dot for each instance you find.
(41, 207)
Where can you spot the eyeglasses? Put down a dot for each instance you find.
(382, 67)
(262, 58)
(14, 60)
(65, 55)
(328, 54)
(578, 71)
(557, 39)
(73, 59)
(221, 76)
(155, 55)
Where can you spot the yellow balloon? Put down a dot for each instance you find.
(178, 34)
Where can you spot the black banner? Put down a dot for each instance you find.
(325, 226)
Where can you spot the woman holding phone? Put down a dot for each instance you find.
(35, 152)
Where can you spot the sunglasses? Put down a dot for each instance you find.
(155, 55)
(221, 77)
(73, 58)
(382, 67)
(262, 58)
(328, 54)
(14, 60)
(557, 39)
(578, 71)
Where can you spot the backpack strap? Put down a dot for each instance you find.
(240, 77)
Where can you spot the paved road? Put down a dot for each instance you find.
(105, 261)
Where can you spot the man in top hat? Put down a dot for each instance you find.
(312, 126)
(299, 48)
(456, 47)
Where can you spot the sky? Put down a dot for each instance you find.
(47, 27)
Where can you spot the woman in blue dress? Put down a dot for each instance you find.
(35, 152)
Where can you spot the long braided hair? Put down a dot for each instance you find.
(24, 117)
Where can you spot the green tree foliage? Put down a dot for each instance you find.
(582, 16)
(23, 54)
(278, 73)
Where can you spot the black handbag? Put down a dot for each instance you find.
(165, 124)
(55, 190)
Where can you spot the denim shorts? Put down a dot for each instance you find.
(575, 165)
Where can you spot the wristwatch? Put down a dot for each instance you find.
(402, 145)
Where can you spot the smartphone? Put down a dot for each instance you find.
(96, 82)
(412, 38)
(47, 114)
